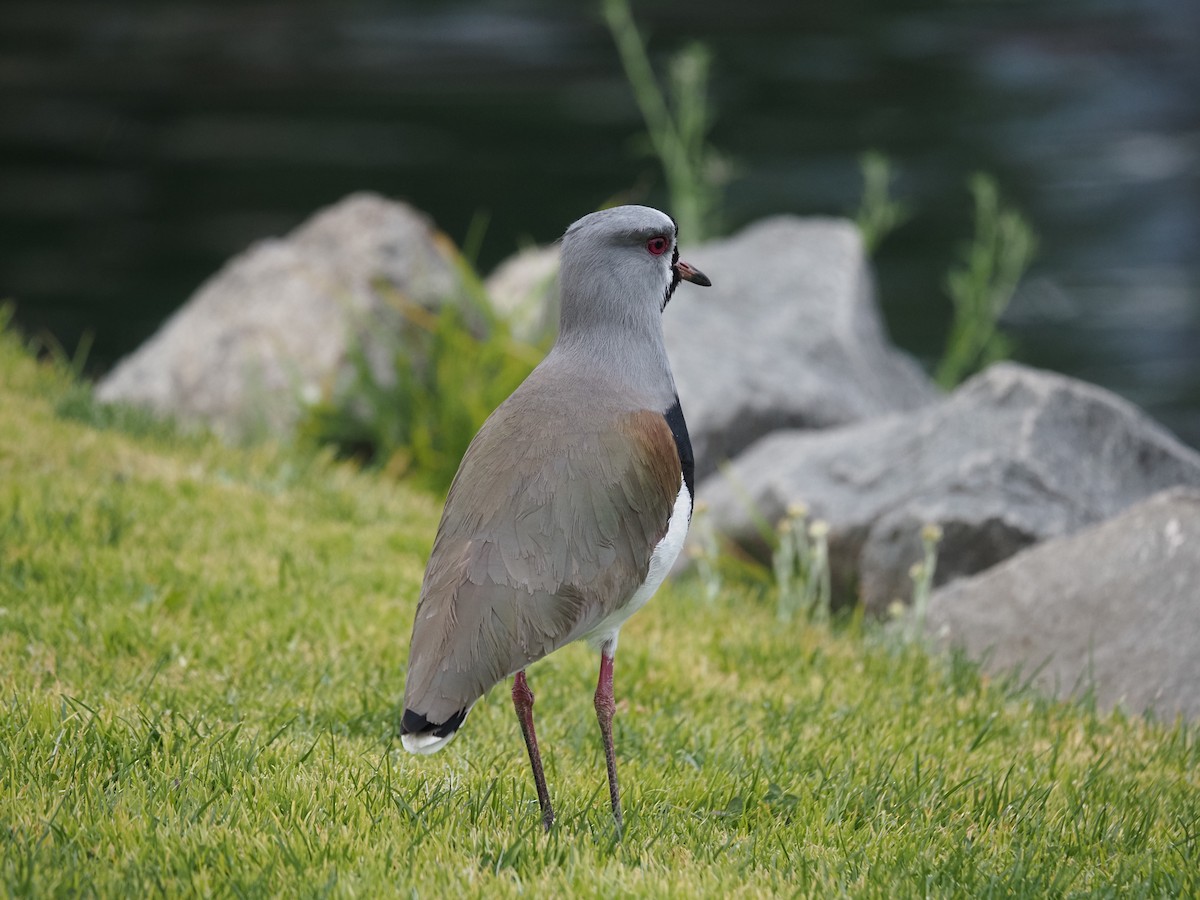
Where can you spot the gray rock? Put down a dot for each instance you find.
(788, 336)
(1013, 457)
(1113, 609)
(275, 326)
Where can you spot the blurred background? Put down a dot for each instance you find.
(144, 143)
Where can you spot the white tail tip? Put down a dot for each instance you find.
(424, 744)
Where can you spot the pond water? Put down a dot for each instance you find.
(143, 143)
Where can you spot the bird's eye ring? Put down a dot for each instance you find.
(658, 245)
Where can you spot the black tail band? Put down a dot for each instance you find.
(415, 723)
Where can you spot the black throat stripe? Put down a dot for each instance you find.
(675, 279)
(683, 444)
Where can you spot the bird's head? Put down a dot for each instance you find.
(625, 255)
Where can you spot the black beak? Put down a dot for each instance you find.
(689, 273)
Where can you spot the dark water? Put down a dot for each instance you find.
(142, 144)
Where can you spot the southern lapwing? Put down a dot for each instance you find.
(572, 501)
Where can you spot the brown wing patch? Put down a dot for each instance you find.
(662, 473)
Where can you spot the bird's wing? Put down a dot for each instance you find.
(546, 530)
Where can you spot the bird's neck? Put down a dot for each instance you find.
(633, 361)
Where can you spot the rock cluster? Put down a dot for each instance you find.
(1012, 457)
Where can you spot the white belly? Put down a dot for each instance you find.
(604, 635)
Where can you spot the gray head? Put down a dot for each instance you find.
(619, 269)
(630, 249)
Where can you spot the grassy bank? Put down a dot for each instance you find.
(202, 653)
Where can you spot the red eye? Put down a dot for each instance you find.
(658, 245)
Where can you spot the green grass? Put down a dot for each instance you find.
(201, 659)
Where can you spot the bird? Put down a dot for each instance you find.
(572, 501)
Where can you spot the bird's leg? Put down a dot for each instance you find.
(523, 701)
(606, 706)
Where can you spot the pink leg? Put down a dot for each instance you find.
(606, 706)
(523, 701)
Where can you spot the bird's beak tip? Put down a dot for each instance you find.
(688, 272)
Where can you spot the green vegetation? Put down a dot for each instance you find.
(879, 214)
(202, 654)
(800, 564)
(984, 283)
(398, 418)
(677, 123)
(913, 616)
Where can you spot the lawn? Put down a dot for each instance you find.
(202, 658)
